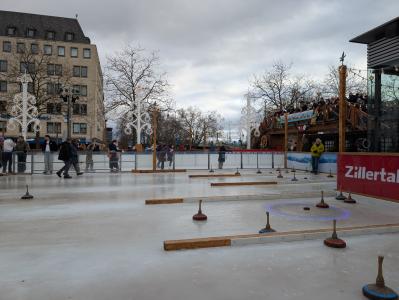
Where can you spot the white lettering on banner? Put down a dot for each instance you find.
(362, 173)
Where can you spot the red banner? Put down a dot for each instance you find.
(374, 175)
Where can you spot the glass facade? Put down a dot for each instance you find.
(383, 109)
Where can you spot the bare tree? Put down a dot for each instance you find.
(354, 83)
(46, 76)
(132, 76)
(198, 126)
(279, 90)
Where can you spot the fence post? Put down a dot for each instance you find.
(209, 161)
(174, 162)
(120, 162)
(135, 160)
(241, 160)
(13, 161)
(272, 159)
(32, 167)
(257, 160)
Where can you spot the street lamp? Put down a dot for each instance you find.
(68, 95)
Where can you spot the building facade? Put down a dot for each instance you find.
(383, 85)
(57, 54)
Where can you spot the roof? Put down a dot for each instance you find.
(389, 29)
(41, 24)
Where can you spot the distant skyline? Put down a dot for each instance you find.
(210, 49)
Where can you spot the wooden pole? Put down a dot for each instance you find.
(285, 139)
(154, 138)
(342, 107)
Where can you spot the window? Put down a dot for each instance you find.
(76, 89)
(50, 35)
(61, 51)
(69, 36)
(83, 90)
(50, 69)
(20, 47)
(53, 127)
(79, 128)
(83, 71)
(74, 52)
(83, 109)
(3, 106)
(80, 109)
(54, 108)
(3, 126)
(11, 31)
(6, 46)
(79, 71)
(54, 70)
(27, 67)
(58, 70)
(3, 66)
(87, 53)
(34, 48)
(3, 86)
(30, 33)
(53, 88)
(76, 71)
(47, 49)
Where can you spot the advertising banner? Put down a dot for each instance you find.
(374, 175)
(303, 161)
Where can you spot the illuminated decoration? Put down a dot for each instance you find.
(24, 111)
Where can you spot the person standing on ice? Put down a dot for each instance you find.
(316, 150)
(222, 156)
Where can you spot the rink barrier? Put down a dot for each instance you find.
(276, 237)
(281, 195)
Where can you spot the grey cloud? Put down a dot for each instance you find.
(211, 48)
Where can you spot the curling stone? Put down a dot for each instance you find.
(322, 204)
(27, 195)
(334, 241)
(294, 179)
(268, 228)
(340, 196)
(379, 290)
(350, 200)
(200, 216)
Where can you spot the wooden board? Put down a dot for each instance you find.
(243, 183)
(163, 201)
(158, 171)
(225, 241)
(213, 175)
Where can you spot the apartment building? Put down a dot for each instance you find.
(57, 54)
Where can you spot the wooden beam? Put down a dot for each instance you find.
(342, 108)
(285, 139)
(164, 201)
(214, 175)
(243, 183)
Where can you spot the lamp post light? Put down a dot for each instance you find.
(69, 96)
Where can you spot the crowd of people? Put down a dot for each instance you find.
(323, 110)
(68, 153)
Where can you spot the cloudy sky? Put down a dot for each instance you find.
(211, 48)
